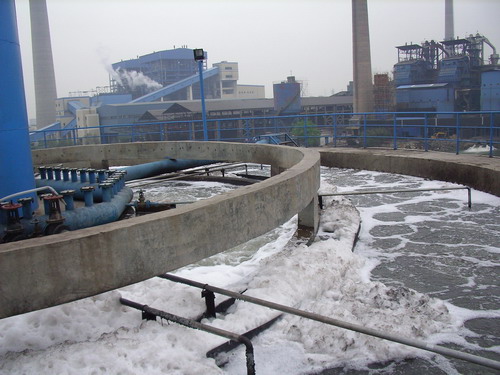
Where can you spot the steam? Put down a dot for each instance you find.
(133, 79)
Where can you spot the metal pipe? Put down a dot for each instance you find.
(50, 173)
(401, 191)
(65, 174)
(92, 176)
(74, 174)
(68, 199)
(46, 204)
(57, 173)
(25, 192)
(27, 207)
(106, 188)
(43, 172)
(138, 183)
(88, 195)
(101, 174)
(339, 323)
(84, 217)
(202, 327)
(155, 168)
(83, 175)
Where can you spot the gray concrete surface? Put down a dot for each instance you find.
(47, 271)
(478, 172)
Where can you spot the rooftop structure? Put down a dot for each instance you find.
(444, 76)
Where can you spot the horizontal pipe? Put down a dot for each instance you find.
(84, 217)
(26, 192)
(60, 185)
(202, 327)
(155, 168)
(339, 323)
(133, 172)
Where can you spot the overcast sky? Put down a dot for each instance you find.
(270, 39)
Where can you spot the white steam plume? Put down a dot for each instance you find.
(134, 79)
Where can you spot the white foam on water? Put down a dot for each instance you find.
(478, 149)
(98, 335)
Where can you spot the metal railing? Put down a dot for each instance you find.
(150, 312)
(342, 324)
(443, 131)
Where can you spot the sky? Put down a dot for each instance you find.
(270, 39)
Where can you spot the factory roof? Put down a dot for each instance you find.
(128, 112)
(174, 54)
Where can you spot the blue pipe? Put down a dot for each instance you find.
(155, 168)
(14, 130)
(88, 195)
(68, 199)
(69, 185)
(132, 173)
(97, 214)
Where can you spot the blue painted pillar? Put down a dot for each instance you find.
(16, 166)
(203, 109)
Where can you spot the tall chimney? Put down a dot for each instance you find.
(362, 67)
(449, 32)
(43, 64)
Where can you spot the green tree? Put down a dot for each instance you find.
(311, 131)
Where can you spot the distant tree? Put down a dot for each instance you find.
(312, 132)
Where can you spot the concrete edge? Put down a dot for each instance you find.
(478, 172)
(52, 270)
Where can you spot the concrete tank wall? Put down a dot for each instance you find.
(46, 271)
(479, 172)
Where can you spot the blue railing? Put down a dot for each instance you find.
(450, 131)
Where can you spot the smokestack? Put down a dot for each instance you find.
(449, 32)
(16, 167)
(43, 64)
(362, 67)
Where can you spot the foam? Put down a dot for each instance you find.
(98, 335)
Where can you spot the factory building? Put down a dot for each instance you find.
(448, 76)
(174, 73)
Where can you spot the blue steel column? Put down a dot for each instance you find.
(202, 94)
(16, 166)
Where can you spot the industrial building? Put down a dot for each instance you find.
(164, 86)
(105, 124)
(454, 75)
(173, 75)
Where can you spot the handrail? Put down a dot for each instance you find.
(181, 175)
(363, 192)
(342, 324)
(378, 129)
(202, 327)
